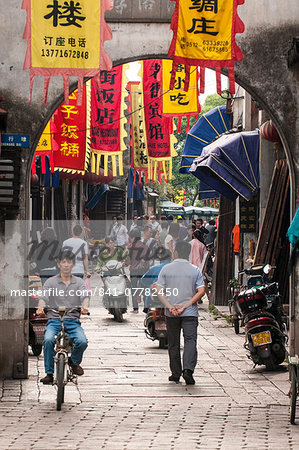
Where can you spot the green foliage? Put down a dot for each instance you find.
(186, 181)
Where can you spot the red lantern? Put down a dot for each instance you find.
(269, 132)
(33, 179)
(70, 176)
(93, 178)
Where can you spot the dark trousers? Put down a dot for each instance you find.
(189, 326)
(134, 279)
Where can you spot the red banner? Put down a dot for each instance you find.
(157, 130)
(107, 118)
(70, 123)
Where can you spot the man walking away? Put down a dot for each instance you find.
(79, 248)
(180, 286)
(119, 233)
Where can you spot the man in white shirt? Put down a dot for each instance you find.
(180, 286)
(79, 248)
(155, 225)
(119, 233)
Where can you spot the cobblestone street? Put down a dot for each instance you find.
(124, 400)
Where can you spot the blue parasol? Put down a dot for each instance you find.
(204, 131)
(230, 165)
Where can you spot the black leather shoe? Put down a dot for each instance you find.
(77, 370)
(48, 379)
(188, 377)
(173, 378)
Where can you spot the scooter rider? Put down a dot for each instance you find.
(111, 252)
(67, 290)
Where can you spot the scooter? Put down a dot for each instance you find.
(37, 324)
(265, 328)
(115, 291)
(155, 323)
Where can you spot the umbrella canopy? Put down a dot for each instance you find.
(230, 165)
(166, 204)
(204, 131)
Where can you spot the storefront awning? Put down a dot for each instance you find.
(230, 165)
(208, 127)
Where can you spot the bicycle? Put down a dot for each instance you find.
(293, 394)
(63, 347)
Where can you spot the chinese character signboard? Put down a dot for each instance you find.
(66, 38)
(138, 137)
(71, 122)
(160, 141)
(177, 102)
(204, 35)
(248, 215)
(45, 147)
(108, 119)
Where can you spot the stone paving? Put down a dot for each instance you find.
(124, 400)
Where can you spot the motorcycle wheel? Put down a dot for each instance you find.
(237, 325)
(60, 379)
(162, 342)
(270, 364)
(118, 315)
(293, 394)
(36, 349)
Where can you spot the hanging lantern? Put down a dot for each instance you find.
(93, 178)
(33, 179)
(70, 176)
(269, 132)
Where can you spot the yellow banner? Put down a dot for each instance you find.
(177, 101)
(44, 144)
(65, 34)
(205, 29)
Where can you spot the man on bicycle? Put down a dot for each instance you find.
(70, 291)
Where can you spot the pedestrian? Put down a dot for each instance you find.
(163, 232)
(114, 222)
(155, 224)
(199, 251)
(180, 286)
(212, 229)
(190, 231)
(172, 236)
(134, 223)
(80, 249)
(183, 229)
(139, 255)
(199, 226)
(119, 233)
(69, 291)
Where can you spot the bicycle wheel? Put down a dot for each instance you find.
(293, 393)
(60, 381)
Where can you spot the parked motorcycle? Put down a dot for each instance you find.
(37, 324)
(155, 323)
(115, 290)
(261, 309)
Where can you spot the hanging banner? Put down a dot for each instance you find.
(66, 38)
(45, 147)
(177, 102)
(108, 119)
(159, 130)
(204, 35)
(138, 143)
(72, 123)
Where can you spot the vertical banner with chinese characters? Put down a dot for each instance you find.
(71, 122)
(160, 139)
(139, 161)
(248, 215)
(204, 35)
(66, 38)
(45, 147)
(177, 102)
(108, 119)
